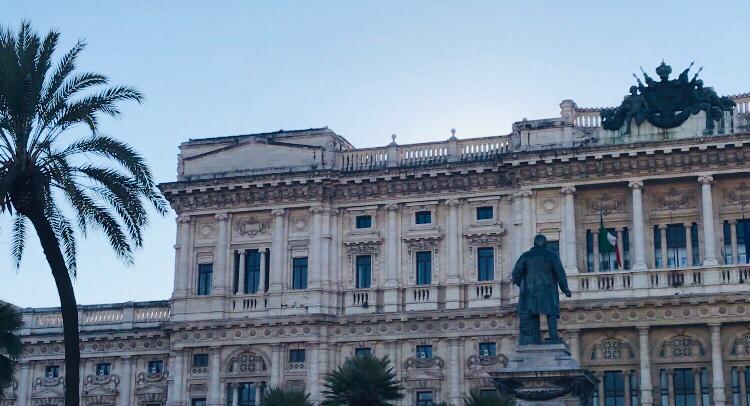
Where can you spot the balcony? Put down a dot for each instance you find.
(360, 301)
(660, 282)
(249, 303)
(483, 294)
(417, 298)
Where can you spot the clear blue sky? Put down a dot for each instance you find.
(365, 69)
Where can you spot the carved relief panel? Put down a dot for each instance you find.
(250, 226)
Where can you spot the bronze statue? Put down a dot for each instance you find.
(538, 273)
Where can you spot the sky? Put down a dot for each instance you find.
(366, 69)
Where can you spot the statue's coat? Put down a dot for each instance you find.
(538, 273)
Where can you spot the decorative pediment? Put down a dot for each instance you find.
(423, 242)
(151, 398)
(424, 363)
(682, 347)
(48, 391)
(370, 246)
(607, 203)
(674, 199)
(246, 363)
(146, 378)
(741, 346)
(100, 389)
(420, 376)
(485, 237)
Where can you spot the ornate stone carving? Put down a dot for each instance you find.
(705, 179)
(741, 346)
(433, 362)
(738, 195)
(635, 184)
(278, 212)
(246, 362)
(250, 227)
(612, 349)
(568, 190)
(682, 346)
(423, 243)
(674, 199)
(607, 203)
(475, 362)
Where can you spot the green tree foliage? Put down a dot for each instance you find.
(58, 183)
(285, 397)
(10, 344)
(362, 381)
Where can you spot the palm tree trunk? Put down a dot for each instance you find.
(68, 306)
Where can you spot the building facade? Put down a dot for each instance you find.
(295, 250)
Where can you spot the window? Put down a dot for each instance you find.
(424, 399)
(252, 271)
(204, 278)
(362, 352)
(155, 367)
(52, 371)
(363, 221)
(198, 402)
(634, 389)
(684, 387)
(423, 217)
(487, 349)
(486, 264)
(424, 267)
(200, 360)
(742, 235)
(102, 368)
(484, 213)
(737, 378)
(364, 271)
(299, 273)
(614, 388)
(424, 351)
(297, 355)
(246, 394)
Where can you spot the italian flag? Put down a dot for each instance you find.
(608, 241)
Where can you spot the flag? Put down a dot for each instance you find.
(608, 241)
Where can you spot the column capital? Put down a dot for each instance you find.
(452, 202)
(391, 207)
(635, 184)
(573, 332)
(696, 370)
(732, 222)
(183, 219)
(221, 216)
(316, 209)
(662, 226)
(643, 330)
(705, 179)
(523, 193)
(568, 190)
(715, 325)
(278, 212)
(127, 359)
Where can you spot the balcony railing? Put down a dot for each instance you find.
(421, 298)
(360, 301)
(252, 302)
(97, 316)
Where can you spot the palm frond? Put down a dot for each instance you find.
(10, 344)
(18, 240)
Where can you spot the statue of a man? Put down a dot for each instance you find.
(538, 273)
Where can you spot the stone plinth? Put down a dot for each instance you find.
(545, 375)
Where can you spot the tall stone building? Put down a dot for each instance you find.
(296, 250)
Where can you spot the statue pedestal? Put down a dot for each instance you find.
(545, 375)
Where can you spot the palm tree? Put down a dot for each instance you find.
(45, 177)
(10, 344)
(362, 381)
(476, 398)
(279, 396)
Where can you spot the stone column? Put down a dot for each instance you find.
(214, 374)
(235, 394)
(220, 255)
(454, 372)
(621, 247)
(334, 270)
(176, 371)
(664, 248)
(689, 243)
(639, 248)
(24, 385)
(276, 366)
(568, 235)
(242, 281)
(575, 351)
(626, 383)
(597, 255)
(452, 241)
(709, 233)
(717, 365)
(743, 386)
(183, 271)
(126, 382)
(645, 367)
(277, 262)
(697, 384)
(390, 294)
(670, 386)
(262, 273)
(528, 227)
(733, 241)
(325, 256)
(312, 373)
(600, 375)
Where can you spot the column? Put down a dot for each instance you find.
(277, 262)
(235, 394)
(697, 385)
(262, 276)
(183, 271)
(241, 275)
(392, 241)
(214, 371)
(733, 239)
(176, 370)
(621, 247)
(258, 392)
(600, 375)
(454, 371)
(626, 383)
(312, 373)
(573, 343)
(220, 255)
(334, 270)
(670, 386)
(645, 367)
(689, 243)
(316, 234)
(597, 259)
(24, 385)
(276, 366)
(639, 248)
(717, 365)
(709, 233)
(528, 228)
(325, 250)
(743, 386)
(568, 234)
(452, 241)
(126, 382)
(664, 248)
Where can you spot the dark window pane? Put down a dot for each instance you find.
(198, 402)
(486, 263)
(252, 271)
(364, 221)
(205, 271)
(424, 399)
(299, 273)
(297, 355)
(362, 352)
(484, 213)
(424, 267)
(102, 369)
(424, 351)
(364, 271)
(52, 371)
(200, 360)
(155, 367)
(423, 217)
(487, 349)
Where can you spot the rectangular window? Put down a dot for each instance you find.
(696, 260)
(205, 272)
(485, 213)
(727, 251)
(743, 240)
(200, 360)
(246, 394)
(364, 221)
(589, 251)
(608, 260)
(362, 352)
(625, 248)
(487, 349)
(297, 355)
(198, 402)
(424, 399)
(424, 351)
(364, 271)
(634, 389)
(657, 248)
(299, 273)
(735, 384)
(102, 368)
(236, 272)
(485, 264)
(614, 388)
(424, 267)
(155, 367)
(423, 217)
(684, 387)
(676, 246)
(267, 269)
(52, 371)
(252, 271)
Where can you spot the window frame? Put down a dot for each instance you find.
(204, 284)
(421, 215)
(423, 269)
(293, 355)
(298, 281)
(424, 402)
(426, 349)
(199, 356)
(490, 346)
(361, 352)
(54, 369)
(159, 369)
(102, 369)
(485, 275)
(484, 209)
(362, 217)
(360, 274)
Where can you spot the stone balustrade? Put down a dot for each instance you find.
(95, 317)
